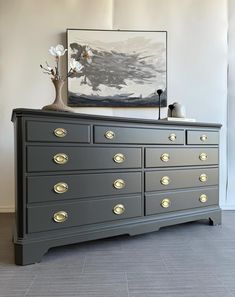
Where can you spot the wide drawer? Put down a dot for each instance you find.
(61, 187)
(180, 200)
(165, 157)
(57, 216)
(57, 132)
(202, 137)
(110, 134)
(42, 158)
(183, 178)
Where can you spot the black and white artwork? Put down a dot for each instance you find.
(118, 68)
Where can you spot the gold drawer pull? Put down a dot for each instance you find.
(203, 156)
(119, 209)
(61, 188)
(60, 132)
(165, 157)
(109, 134)
(119, 184)
(172, 137)
(203, 198)
(165, 203)
(165, 180)
(119, 158)
(203, 137)
(60, 216)
(61, 158)
(203, 177)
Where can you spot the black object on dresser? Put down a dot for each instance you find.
(83, 177)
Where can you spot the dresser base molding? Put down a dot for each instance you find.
(30, 251)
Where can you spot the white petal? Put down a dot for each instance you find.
(52, 51)
(89, 60)
(89, 52)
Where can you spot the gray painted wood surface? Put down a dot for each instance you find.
(90, 174)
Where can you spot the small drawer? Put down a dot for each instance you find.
(54, 158)
(183, 178)
(57, 132)
(166, 157)
(127, 135)
(202, 137)
(57, 216)
(64, 187)
(172, 201)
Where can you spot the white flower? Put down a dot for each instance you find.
(57, 51)
(87, 54)
(75, 65)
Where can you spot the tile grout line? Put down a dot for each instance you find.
(30, 286)
(128, 295)
(84, 262)
(163, 260)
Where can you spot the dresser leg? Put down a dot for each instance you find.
(26, 254)
(215, 219)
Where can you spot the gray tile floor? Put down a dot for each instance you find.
(188, 260)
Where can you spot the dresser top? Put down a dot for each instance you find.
(19, 112)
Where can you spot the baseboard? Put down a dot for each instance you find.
(6, 209)
(228, 207)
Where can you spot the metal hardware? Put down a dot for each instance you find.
(203, 177)
(203, 198)
(165, 203)
(60, 132)
(61, 158)
(165, 157)
(61, 188)
(119, 184)
(203, 156)
(60, 216)
(109, 134)
(203, 137)
(165, 180)
(119, 158)
(119, 209)
(172, 137)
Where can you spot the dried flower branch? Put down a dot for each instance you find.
(75, 66)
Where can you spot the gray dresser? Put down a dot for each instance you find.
(83, 177)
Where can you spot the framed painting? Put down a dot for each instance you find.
(118, 68)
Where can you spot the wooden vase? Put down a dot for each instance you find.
(58, 104)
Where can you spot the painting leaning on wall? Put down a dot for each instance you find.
(123, 68)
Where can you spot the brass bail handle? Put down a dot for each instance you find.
(60, 132)
(119, 209)
(61, 158)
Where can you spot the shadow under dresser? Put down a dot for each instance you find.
(83, 177)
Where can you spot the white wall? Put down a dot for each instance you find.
(196, 59)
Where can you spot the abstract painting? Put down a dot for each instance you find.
(119, 68)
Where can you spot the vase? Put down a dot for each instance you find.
(58, 104)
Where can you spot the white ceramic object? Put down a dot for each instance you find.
(178, 110)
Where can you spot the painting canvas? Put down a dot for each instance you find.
(125, 68)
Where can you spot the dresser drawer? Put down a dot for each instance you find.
(127, 135)
(57, 132)
(180, 200)
(61, 187)
(166, 157)
(183, 178)
(202, 137)
(42, 158)
(57, 216)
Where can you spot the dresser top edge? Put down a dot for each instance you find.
(19, 112)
